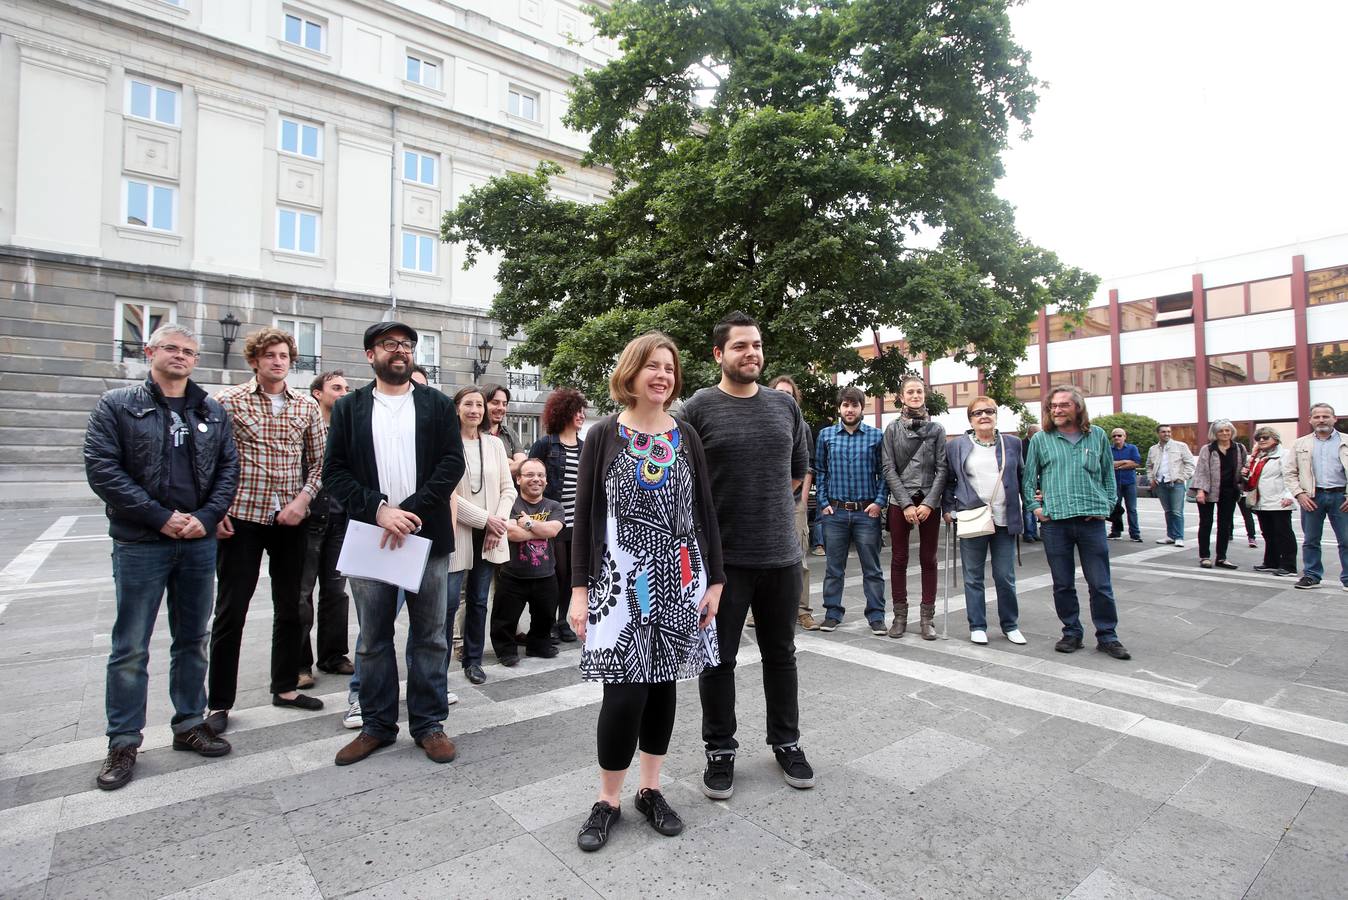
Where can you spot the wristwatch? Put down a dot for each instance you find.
(528, 524)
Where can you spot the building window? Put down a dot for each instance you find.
(1233, 368)
(428, 355)
(418, 252)
(1096, 322)
(957, 395)
(306, 32)
(1139, 378)
(1027, 388)
(296, 231)
(419, 167)
(135, 322)
(152, 102)
(1266, 296)
(423, 71)
(1327, 286)
(1098, 382)
(1221, 303)
(1329, 360)
(301, 139)
(525, 428)
(1178, 375)
(1137, 315)
(308, 335)
(522, 104)
(150, 205)
(1258, 367)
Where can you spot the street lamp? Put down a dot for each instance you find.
(483, 357)
(229, 330)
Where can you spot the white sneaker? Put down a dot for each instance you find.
(451, 698)
(978, 636)
(1179, 543)
(1015, 637)
(353, 718)
(1164, 540)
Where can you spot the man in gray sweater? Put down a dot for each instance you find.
(757, 452)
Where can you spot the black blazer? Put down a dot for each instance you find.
(351, 477)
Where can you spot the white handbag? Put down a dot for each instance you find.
(978, 522)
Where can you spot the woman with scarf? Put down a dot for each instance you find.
(1266, 490)
(913, 462)
(1217, 485)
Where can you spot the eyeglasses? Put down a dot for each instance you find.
(986, 411)
(175, 350)
(391, 345)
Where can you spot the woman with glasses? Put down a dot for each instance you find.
(483, 500)
(984, 469)
(1266, 490)
(1217, 486)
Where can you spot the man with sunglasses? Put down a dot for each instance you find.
(1127, 460)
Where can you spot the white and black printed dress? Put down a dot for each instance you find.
(643, 624)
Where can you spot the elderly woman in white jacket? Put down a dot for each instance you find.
(482, 502)
(1269, 494)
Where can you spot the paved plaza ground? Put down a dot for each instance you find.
(1214, 764)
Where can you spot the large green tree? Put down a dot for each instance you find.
(792, 159)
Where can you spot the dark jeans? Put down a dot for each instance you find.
(1247, 515)
(928, 547)
(1085, 537)
(238, 560)
(1031, 524)
(142, 572)
(377, 607)
(1225, 509)
(324, 545)
(478, 580)
(632, 714)
(512, 596)
(1127, 499)
(842, 530)
(973, 556)
(771, 594)
(1280, 544)
(561, 551)
(1313, 528)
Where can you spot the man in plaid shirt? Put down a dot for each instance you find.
(276, 428)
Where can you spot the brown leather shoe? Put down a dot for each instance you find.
(361, 747)
(117, 768)
(201, 740)
(439, 748)
(807, 622)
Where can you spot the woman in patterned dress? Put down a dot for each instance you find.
(646, 576)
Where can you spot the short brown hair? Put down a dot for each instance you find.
(465, 391)
(977, 402)
(257, 342)
(852, 394)
(1083, 418)
(630, 362)
(786, 379)
(321, 380)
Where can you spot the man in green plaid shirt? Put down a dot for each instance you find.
(1069, 487)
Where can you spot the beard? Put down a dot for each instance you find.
(384, 371)
(738, 375)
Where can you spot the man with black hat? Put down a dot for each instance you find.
(394, 455)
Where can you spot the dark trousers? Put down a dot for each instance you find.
(1248, 516)
(1280, 544)
(928, 546)
(632, 714)
(1225, 510)
(771, 594)
(1064, 541)
(1127, 501)
(238, 560)
(324, 545)
(512, 596)
(561, 551)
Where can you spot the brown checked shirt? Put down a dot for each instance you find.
(272, 448)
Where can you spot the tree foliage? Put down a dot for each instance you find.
(780, 157)
(1141, 429)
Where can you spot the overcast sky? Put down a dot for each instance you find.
(1177, 131)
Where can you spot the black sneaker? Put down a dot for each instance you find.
(1068, 645)
(117, 768)
(718, 781)
(829, 625)
(594, 833)
(1114, 649)
(565, 634)
(652, 805)
(1307, 583)
(1265, 568)
(547, 652)
(1136, 540)
(795, 768)
(1283, 573)
(1115, 537)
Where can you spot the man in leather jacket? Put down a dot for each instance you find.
(161, 456)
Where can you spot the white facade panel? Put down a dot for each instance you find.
(476, 286)
(1327, 323)
(1082, 353)
(1161, 283)
(1175, 342)
(1252, 401)
(1164, 406)
(1258, 332)
(237, 21)
(228, 232)
(1333, 391)
(60, 188)
(947, 371)
(363, 187)
(1099, 406)
(1030, 364)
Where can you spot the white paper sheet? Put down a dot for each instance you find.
(362, 557)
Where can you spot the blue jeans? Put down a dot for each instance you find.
(475, 617)
(1313, 526)
(1087, 538)
(376, 606)
(142, 572)
(1031, 524)
(841, 531)
(353, 690)
(1127, 500)
(973, 554)
(1171, 494)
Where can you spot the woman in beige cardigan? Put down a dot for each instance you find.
(483, 499)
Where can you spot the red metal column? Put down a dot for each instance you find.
(1200, 360)
(1301, 350)
(1043, 363)
(1115, 360)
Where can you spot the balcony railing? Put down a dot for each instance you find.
(432, 374)
(524, 381)
(131, 350)
(306, 364)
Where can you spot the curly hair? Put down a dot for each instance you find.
(560, 409)
(259, 341)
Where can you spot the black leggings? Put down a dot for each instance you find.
(632, 711)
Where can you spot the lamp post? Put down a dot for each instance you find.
(483, 357)
(229, 331)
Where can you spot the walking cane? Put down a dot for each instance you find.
(949, 564)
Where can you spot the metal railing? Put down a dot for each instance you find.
(524, 381)
(432, 374)
(306, 364)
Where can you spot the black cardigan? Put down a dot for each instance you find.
(351, 477)
(587, 540)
